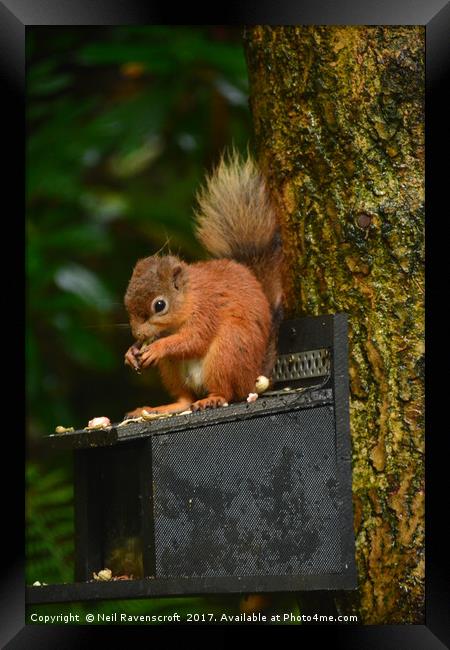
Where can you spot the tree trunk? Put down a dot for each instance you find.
(338, 119)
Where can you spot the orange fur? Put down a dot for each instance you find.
(222, 319)
(218, 330)
(236, 219)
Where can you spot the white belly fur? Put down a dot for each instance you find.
(192, 371)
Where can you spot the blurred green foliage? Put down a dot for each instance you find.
(50, 524)
(122, 123)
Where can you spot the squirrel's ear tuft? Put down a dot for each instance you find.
(177, 272)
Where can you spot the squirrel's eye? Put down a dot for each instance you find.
(159, 305)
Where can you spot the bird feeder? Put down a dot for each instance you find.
(252, 497)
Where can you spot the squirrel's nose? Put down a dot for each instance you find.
(142, 333)
(138, 333)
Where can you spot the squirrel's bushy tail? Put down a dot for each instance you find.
(236, 219)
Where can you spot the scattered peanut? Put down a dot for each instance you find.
(61, 429)
(129, 421)
(104, 574)
(155, 416)
(99, 423)
(262, 384)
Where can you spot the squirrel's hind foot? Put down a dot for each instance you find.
(210, 402)
(175, 407)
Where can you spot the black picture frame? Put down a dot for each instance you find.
(15, 17)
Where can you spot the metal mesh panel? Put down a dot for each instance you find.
(256, 497)
(301, 365)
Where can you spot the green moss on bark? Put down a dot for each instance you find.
(338, 119)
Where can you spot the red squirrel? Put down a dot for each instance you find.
(211, 326)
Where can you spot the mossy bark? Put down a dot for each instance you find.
(339, 130)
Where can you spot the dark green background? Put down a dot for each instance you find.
(122, 123)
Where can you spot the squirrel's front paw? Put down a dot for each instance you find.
(151, 354)
(131, 356)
